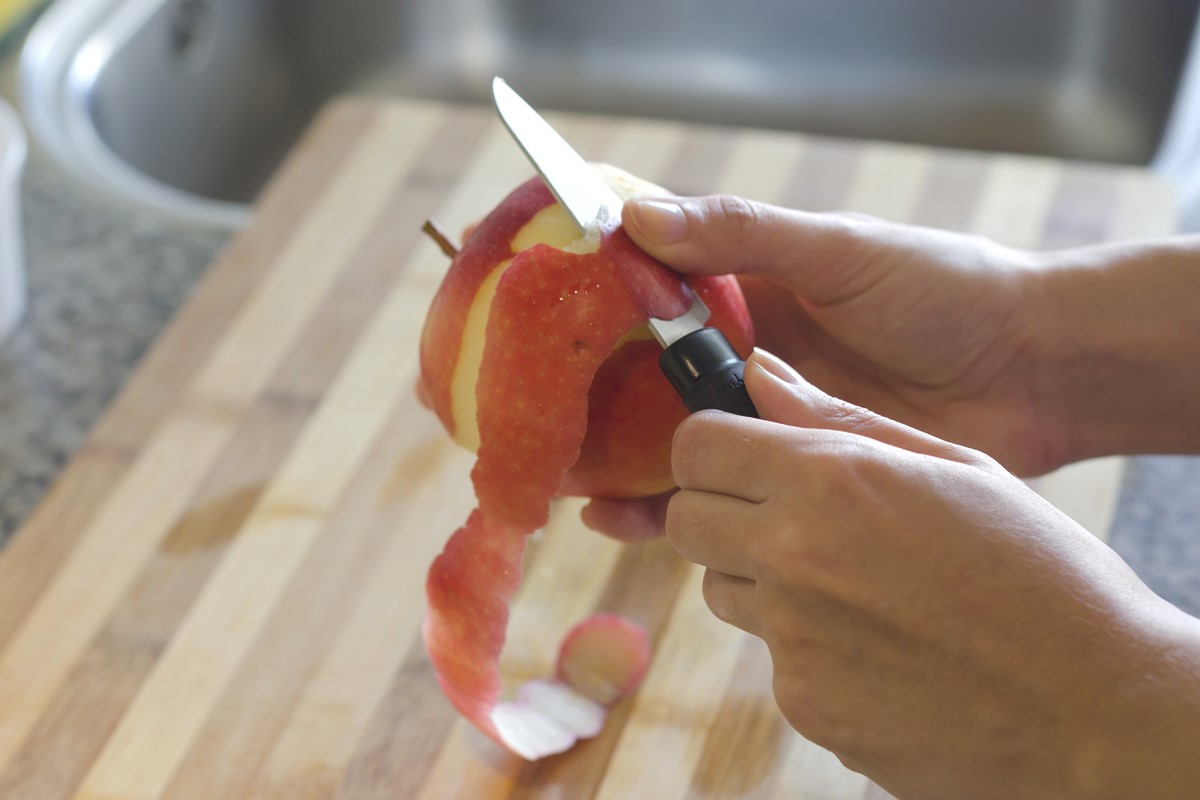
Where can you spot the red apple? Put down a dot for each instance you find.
(536, 355)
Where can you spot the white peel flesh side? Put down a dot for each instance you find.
(547, 717)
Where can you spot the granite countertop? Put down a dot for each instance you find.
(104, 279)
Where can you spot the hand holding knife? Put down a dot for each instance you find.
(699, 362)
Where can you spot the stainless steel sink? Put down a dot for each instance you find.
(188, 105)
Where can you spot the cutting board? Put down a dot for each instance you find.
(221, 596)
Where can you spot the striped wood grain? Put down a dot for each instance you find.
(222, 595)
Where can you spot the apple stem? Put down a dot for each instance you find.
(443, 241)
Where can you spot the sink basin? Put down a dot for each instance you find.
(188, 105)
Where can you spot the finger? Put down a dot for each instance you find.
(821, 256)
(782, 395)
(717, 452)
(713, 530)
(628, 520)
(731, 600)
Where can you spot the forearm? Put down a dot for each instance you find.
(1118, 347)
(1145, 739)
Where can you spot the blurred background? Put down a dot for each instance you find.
(152, 125)
(188, 105)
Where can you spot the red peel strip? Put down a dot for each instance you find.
(532, 423)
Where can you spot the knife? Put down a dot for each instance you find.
(699, 362)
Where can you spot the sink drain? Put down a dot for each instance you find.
(190, 36)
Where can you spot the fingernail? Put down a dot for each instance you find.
(659, 221)
(776, 366)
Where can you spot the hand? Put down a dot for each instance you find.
(931, 620)
(926, 327)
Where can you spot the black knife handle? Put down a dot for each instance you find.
(707, 372)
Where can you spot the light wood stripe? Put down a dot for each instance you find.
(810, 772)
(888, 181)
(1146, 208)
(1087, 492)
(1016, 198)
(761, 165)
(642, 147)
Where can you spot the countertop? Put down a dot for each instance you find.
(105, 278)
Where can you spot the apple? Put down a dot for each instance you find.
(536, 356)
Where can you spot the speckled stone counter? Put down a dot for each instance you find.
(104, 280)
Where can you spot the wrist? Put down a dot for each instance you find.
(1115, 335)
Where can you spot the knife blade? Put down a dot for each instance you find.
(699, 362)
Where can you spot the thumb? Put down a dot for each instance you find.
(781, 395)
(820, 256)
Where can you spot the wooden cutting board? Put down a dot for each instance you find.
(221, 596)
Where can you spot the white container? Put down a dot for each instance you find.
(12, 251)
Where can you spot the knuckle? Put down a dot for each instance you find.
(743, 217)
(849, 416)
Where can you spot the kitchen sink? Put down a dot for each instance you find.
(188, 105)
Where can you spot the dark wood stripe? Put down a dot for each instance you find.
(62, 746)
(401, 743)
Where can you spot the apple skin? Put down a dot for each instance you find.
(632, 410)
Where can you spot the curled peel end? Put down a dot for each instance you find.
(601, 660)
(604, 658)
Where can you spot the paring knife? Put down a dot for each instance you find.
(699, 362)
